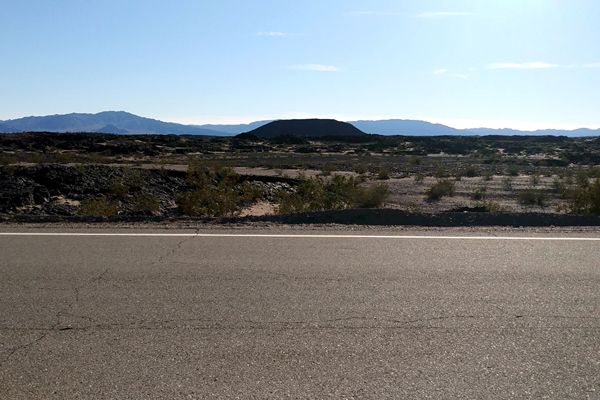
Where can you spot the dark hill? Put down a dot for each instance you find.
(306, 128)
(112, 129)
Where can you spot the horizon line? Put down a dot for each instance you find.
(454, 123)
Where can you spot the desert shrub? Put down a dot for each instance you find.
(361, 169)
(251, 192)
(585, 199)
(581, 178)
(337, 193)
(65, 158)
(383, 174)
(201, 174)
(98, 207)
(512, 171)
(594, 172)
(471, 172)
(487, 176)
(479, 193)
(441, 173)
(558, 185)
(118, 188)
(214, 191)
(134, 179)
(492, 206)
(145, 203)
(209, 202)
(419, 178)
(327, 169)
(6, 159)
(534, 179)
(372, 197)
(440, 189)
(507, 183)
(532, 197)
(568, 177)
(415, 161)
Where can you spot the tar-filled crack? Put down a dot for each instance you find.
(25, 346)
(66, 311)
(177, 247)
(57, 326)
(322, 324)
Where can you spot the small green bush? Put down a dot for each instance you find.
(209, 202)
(337, 193)
(98, 207)
(479, 193)
(383, 174)
(415, 161)
(532, 197)
(251, 192)
(146, 204)
(442, 172)
(419, 178)
(361, 169)
(327, 169)
(585, 199)
(558, 185)
(214, 191)
(512, 171)
(135, 179)
(507, 183)
(118, 188)
(492, 206)
(568, 177)
(440, 189)
(582, 178)
(372, 197)
(471, 172)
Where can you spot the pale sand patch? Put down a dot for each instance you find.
(258, 209)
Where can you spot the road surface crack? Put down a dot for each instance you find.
(178, 246)
(26, 346)
(65, 311)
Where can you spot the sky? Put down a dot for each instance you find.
(525, 64)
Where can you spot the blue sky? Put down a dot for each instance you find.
(496, 63)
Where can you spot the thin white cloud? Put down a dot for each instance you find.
(316, 67)
(443, 14)
(592, 65)
(440, 71)
(276, 34)
(526, 65)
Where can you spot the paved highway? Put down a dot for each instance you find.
(259, 317)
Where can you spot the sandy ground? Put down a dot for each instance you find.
(260, 208)
(408, 195)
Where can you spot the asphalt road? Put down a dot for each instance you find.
(184, 317)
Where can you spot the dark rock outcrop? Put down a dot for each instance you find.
(306, 128)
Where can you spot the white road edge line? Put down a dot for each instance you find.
(300, 236)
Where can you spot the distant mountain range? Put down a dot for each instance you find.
(121, 122)
(106, 122)
(234, 129)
